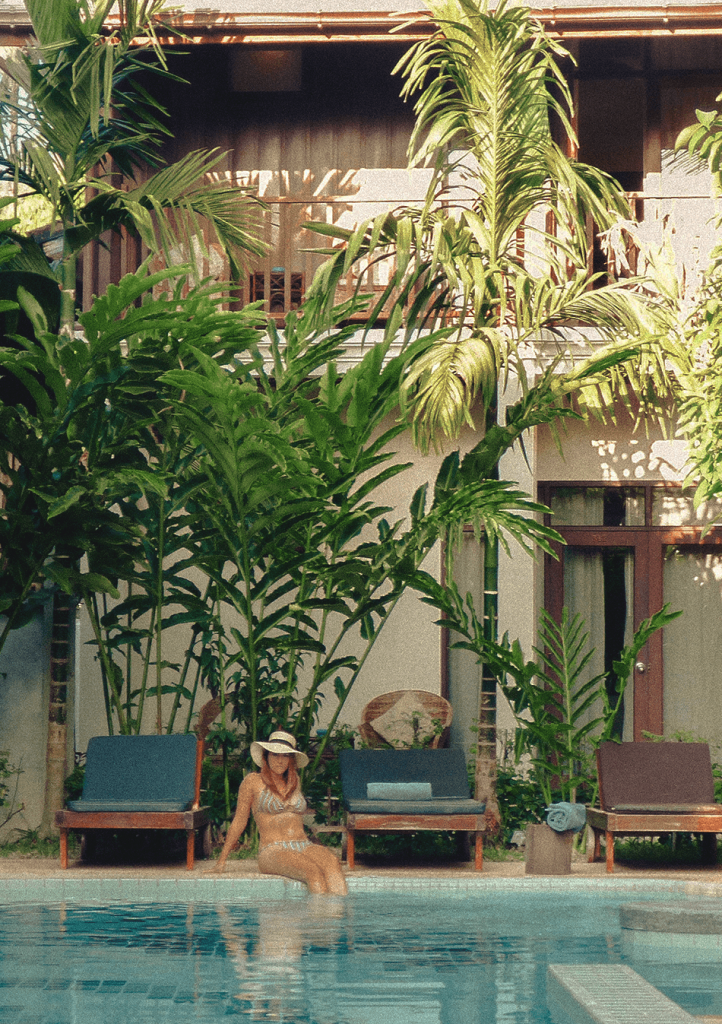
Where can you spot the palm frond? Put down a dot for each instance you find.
(171, 205)
(443, 383)
(57, 23)
(82, 91)
(504, 257)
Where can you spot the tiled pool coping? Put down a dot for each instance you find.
(229, 889)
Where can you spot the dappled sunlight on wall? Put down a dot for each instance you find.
(609, 452)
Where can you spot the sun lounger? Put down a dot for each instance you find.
(653, 789)
(407, 791)
(139, 782)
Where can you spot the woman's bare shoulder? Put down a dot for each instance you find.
(252, 783)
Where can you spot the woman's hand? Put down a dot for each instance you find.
(240, 819)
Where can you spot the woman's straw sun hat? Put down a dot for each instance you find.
(278, 743)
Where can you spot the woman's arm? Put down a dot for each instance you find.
(246, 793)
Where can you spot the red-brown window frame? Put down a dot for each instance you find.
(648, 542)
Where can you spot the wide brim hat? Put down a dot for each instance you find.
(278, 743)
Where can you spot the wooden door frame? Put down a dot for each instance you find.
(647, 713)
(648, 543)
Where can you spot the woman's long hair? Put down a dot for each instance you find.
(282, 785)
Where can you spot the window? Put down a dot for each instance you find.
(281, 296)
(629, 551)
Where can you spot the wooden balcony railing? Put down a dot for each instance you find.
(281, 278)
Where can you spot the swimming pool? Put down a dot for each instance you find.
(442, 955)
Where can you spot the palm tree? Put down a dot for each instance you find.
(495, 261)
(79, 117)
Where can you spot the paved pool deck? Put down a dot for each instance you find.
(32, 867)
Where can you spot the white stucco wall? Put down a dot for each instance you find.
(611, 452)
(24, 690)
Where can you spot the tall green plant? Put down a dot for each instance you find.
(699, 336)
(561, 713)
(292, 467)
(486, 87)
(260, 481)
(161, 591)
(81, 118)
(88, 471)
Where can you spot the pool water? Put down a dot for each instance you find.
(409, 957)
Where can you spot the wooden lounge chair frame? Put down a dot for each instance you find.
(653, 789)
(189, 820)
(450, 809)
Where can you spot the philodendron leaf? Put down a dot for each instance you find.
(72, 581)
(71, 497)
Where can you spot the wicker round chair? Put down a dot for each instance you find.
(406, 718)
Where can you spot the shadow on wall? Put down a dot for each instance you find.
(24, 693)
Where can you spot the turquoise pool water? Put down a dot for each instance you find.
(403, 956)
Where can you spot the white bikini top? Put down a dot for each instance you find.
(269, 802)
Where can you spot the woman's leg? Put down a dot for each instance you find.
(308, 866)
(331, 867)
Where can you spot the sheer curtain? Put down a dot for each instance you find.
(578, 506)
(584, 570)
(588, 577)
(692, 644)
(584, 594)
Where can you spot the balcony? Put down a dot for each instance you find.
(280, 279)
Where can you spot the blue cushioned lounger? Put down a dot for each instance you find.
(138, 782)
(395, 773)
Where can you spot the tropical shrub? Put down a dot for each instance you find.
(303, 554)
(561, 714)
(521, 799)
(227, 493)
(213, 787)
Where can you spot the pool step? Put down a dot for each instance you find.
(608, 994)
(673, 931)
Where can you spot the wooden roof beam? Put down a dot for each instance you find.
(283, 29)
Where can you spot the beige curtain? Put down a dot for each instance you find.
(584, 595)
(692, 645)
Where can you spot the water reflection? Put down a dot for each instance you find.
(301, 964)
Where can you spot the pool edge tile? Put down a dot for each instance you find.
(209, 888)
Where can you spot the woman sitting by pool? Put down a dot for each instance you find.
(274, 796)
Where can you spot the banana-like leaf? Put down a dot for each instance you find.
(62, 129)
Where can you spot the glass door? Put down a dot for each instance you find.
(601, 574)
(630, 550)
